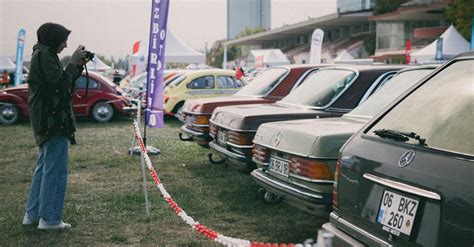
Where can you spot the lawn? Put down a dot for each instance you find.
(105, 201)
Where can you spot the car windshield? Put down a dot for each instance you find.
(440, 111)
(264, 82)
(138, 81)
(321, 87)
(172, 78)
(388, 93)
(175, 81)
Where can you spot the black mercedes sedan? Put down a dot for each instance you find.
(406, 178)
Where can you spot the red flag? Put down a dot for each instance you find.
(408, 51)
(136, 47)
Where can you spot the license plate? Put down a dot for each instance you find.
(221, 138)
(397, 213)
(279, 166)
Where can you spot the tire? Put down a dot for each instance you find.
(178, 109)
(8, 114)
(269, 198)
(102, 112)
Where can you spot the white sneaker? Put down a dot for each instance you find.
(45, 226)
(27, 220)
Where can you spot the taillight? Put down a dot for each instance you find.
(261, 153)
(335, 198)
(313, 169)
(212, 129)
(240, 138)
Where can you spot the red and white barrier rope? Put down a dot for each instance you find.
(209, 233)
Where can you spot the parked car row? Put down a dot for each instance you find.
(387, 149)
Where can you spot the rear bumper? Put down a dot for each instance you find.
(349, 234)
(309, 198)
(238, 161)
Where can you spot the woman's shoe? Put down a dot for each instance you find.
(45, 226)
(28, 221)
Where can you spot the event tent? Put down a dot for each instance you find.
(7, 64)
(268, 57)
(453, 44)
(346, 58)
(175, 52)
(98, 65)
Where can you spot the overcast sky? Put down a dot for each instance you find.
(110, 27)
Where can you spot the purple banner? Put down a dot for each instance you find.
(156, 64)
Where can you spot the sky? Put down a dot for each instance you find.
(110, 27)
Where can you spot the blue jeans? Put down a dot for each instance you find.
(48, 187)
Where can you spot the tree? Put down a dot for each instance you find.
(215, 55)
(459, 13)
(249, 31)
(369, 43)
(387, 6)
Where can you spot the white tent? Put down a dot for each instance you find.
(346, 58)
(268, 57)
(344, 55)
(7, 64)
(97, 64)
(453, 44)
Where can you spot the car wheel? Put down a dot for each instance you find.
(102, 112)
(8, 114)
(178, 109)
(269, 198)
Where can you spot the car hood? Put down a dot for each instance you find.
(207, 105)
(15, 89)
(310, 137)
(249, 117)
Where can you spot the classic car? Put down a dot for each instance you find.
(296, 159)
(203, 83)
(327, 92)
(269, 86)
(102, 101)
(405, 178)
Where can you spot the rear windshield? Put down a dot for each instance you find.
(264, 82)
(321, 87)
(175, 81)
(440, 111)
(389, 92)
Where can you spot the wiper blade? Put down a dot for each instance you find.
(400, 136)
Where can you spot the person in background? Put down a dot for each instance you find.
(5, 80)
(51, 116)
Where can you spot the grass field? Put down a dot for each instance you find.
(105, 201)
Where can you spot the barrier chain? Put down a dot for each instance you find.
(209, 233)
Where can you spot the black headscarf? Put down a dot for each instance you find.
(52, 35)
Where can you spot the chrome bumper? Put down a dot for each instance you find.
(348, 234)
(228, 154)
(195, 134)
(284, 188)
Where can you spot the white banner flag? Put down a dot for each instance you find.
(316, 46)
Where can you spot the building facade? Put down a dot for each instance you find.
(242, 14)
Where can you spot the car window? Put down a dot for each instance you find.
(205, 82)
(175, 81)
(321, 87)
(391, 90)
(81, 83)
(264, 82)
(228, 82)
(440, 111)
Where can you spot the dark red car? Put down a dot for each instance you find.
(268, 87)
(103, 100)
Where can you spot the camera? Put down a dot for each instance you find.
(89, 55)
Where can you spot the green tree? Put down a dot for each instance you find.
(387, 6)
(369, 43)
(459, 13)
(249, 31)
(215, 55)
